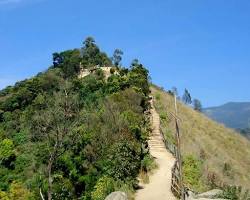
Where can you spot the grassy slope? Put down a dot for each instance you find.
(225, 153)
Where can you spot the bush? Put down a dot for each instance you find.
(158, 96)
(234, 193)
(20, 138)
(112, 70)
(123, 161)
(103, 188)
(17, 192)
(7, 155)
(148, 164)
(192, 172)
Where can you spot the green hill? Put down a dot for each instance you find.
(213, 154)
(68, 138)
(79, 130)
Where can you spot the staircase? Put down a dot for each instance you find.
(159, 186)
(156, 142)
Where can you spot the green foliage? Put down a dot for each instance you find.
(4, 195)
(158, 96)
(68, 61)
(123, 161)
(7, 155)
(18, 192)
(103, 187)
(148, 163)
(117, 57)
(186, 98)
(138, 77)
(192, 172)
(197, 105)
(91, 54)
(84, 128)
(20, 138)
(234, 193)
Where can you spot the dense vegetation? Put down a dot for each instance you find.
(69, 138)
(213, 155)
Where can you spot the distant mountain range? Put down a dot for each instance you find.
(233, 114)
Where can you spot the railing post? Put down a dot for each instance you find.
(178, 152)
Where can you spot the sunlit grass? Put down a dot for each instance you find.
(212, 143)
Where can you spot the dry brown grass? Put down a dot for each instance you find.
(225, 153)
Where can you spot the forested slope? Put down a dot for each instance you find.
(68, 138)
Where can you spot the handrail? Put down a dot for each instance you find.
(175, 180)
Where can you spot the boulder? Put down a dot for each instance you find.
(210, 194)
(117, 196)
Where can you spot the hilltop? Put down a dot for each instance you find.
(233, 114)
(81, 130)
(68, 135)
(213, 154)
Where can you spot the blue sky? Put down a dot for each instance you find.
(196, 44)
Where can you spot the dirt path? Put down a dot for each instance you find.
(160, 181)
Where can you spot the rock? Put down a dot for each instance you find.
(210, 194)
(117, 196)
(191, 195)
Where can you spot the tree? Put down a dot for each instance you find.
(57, 59)
(175, 91)
(54, 126)
(91, 54)
(138, 76)
(197, 105)
(187, 99)
(117, 57)
(89, 42)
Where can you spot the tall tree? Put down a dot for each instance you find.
(54, 126)
(175, 92)
(186, 98)
(197, 105)
(117, 57)
(91, 54)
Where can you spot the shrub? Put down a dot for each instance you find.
(18, 192)
(4, 195)
(20, 138)
(103, 187)
(7, 155)
(192, 172)
(123, 161)
(148, 164)
(112, 70)
(234, 193)
(158, 96)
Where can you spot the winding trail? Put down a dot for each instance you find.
(159, 184)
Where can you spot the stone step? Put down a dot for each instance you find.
(156, 135)
(156, 142)
(163, 147)
(156, 139)
(157, 145)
